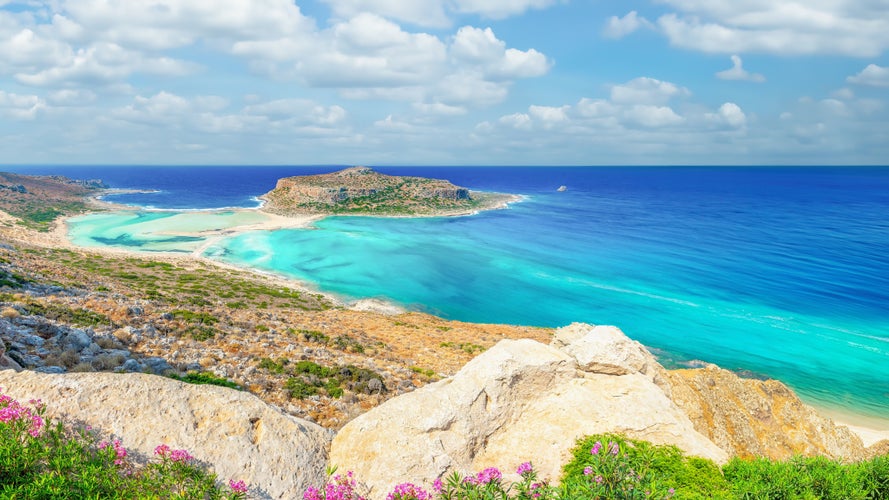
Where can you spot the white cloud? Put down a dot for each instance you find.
(619, 27)
(435, 13)
(787, 27)
(872, 75)
(208, 114)
(516, 120)
(22, 107)
(646, 90)
(730, 115)
(481, 48)
(651, 116)
(737, 72)
(438, 108)
(103, 64)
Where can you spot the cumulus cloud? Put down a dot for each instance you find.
(95, 44)
(21, 107)
(619, 27)
(642, 104)
(208, 114)
(103, 64)
(737, 72)
(435, 13)
(646, 90)
(786, 27)
(872, 75)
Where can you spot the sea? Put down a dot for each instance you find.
(773, 272)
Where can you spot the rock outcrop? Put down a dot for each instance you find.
(360, 190)
(749, 417)
(520, 400)
(238, 435)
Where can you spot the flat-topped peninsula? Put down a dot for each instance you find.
(362, 191)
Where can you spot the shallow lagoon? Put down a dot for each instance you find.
(156, 231)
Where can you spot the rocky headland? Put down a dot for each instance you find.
(362, 191)
(393, 396)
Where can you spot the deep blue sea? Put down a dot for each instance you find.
(778, 272)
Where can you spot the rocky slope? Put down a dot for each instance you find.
(360, 190)
(38, 200)
(523, 400)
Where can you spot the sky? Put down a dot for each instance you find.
(444, 82)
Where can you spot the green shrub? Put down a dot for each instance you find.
(807, 478)
(654, 468)
(207, 378)
(297, 388)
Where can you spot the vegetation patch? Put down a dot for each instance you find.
(205, 378)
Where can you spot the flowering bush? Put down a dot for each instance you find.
(338, 487)
(41, 459)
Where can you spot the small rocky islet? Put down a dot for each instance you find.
(298, 360)
(362, 191)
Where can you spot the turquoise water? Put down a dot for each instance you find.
(775, 272)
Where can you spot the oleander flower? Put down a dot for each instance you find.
(408, 491)
(488, 475)
(596, 448)
(237, 486)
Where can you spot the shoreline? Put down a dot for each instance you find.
(870, 429)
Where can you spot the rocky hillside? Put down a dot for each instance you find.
(360, 190)
(38, 200)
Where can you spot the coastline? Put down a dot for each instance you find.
(869, 429)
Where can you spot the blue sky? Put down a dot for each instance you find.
(444, 82)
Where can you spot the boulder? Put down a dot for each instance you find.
(237, 434)
(78, 340)
(520, 400)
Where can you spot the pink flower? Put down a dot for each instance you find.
(237, 486)
(524, 468)
(408, 491)
(180, 456)
(312, 493)
(488, 475)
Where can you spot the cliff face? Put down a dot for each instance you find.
(751, 418)
(361, 190)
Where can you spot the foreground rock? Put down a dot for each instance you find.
(237, 434)
(520, 400)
